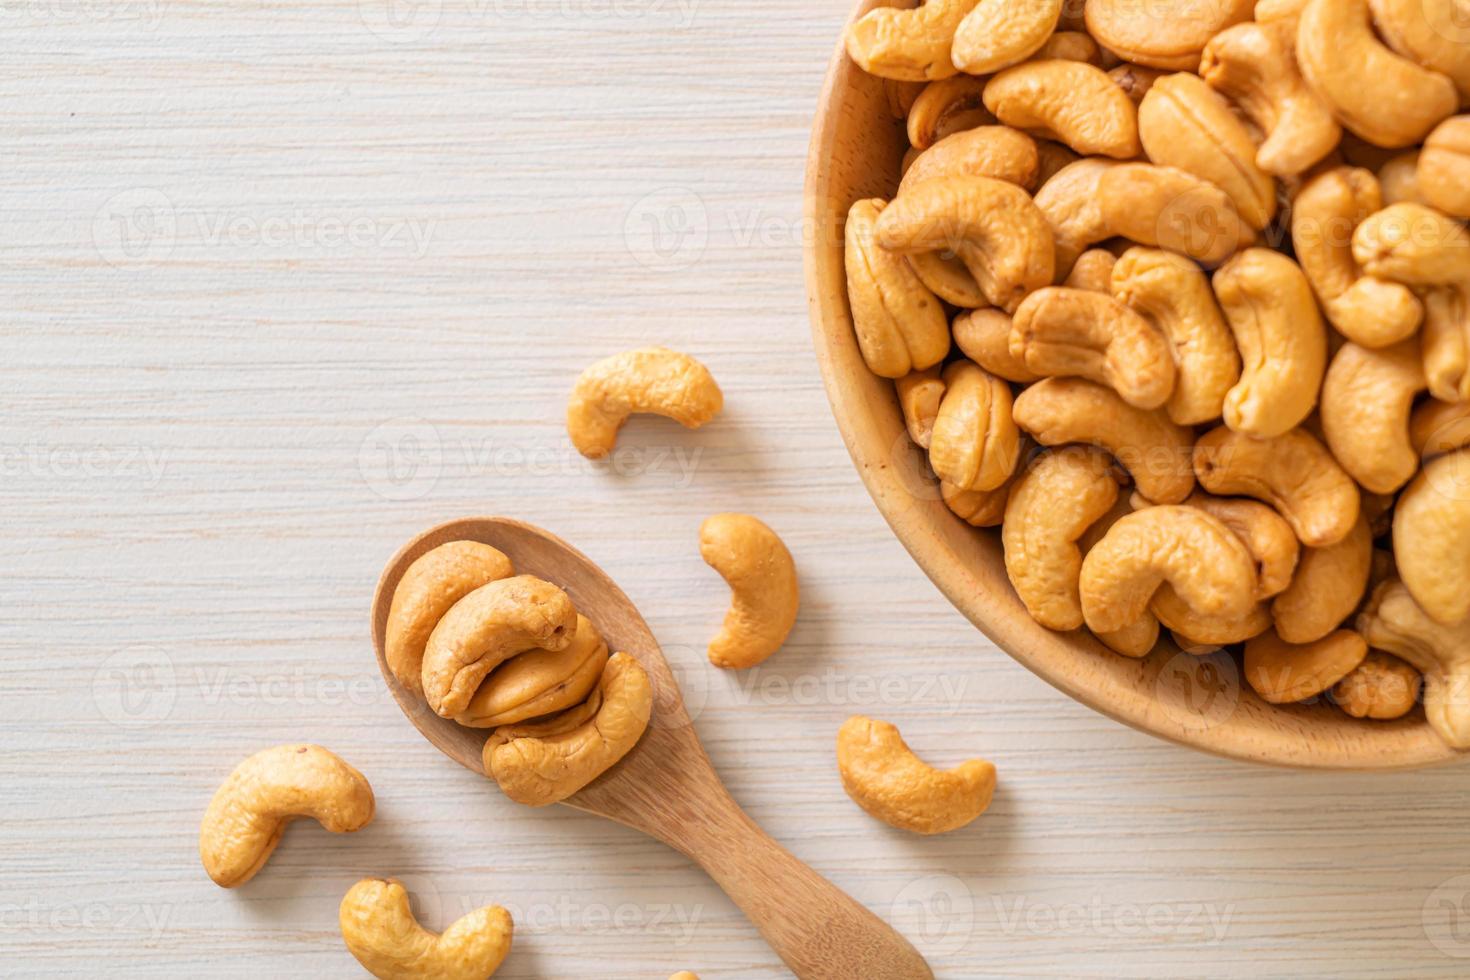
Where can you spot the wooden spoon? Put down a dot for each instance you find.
(666, 786)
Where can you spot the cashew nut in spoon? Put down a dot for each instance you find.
(998, 152)
(992, 225)
(764, 595)
(539, 682)
(946, 108)
(1071, 102)
(251, 808)
(984, 336)
(1443, 175)
(1169, 34)
(996, 34)
(919, 394)
(1370, 311)
(654, 380)
(1394, 622)
(1431, 537)
(900, 325)
(1269, 306)
(1292, 472)
(1366, 399)
(909, 45)
(1284, 673)
(1328, 585)
(1382, 687)
(883, 776)
(1430, 33)
(1172, 209)
(974, 444)
(1154, 451)
(379, 929)
(1173, 293)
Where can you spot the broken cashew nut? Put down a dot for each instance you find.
(1284, 673)
(907, 45)
(1394, 622)
(379, 929)
(1366, 399)
(1071, 102)
(539, 682)
(250, 810)
(1431, 537)
(883, 776)
(975, 443)
(764, 593)
(900, 325)
(655, 380)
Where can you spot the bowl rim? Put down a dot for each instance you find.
(1020, 637)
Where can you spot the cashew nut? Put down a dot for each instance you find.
(1386, 99)
(1381, 687)
(1266, 535)
(380, 930)
(1255, 65)
(1430, 33)
(1205, 563)
(539, 682)
(1438, 427)
(998, 152)
(908, 45)
(1061, 331)
(1324, 213)
(655, 380)
(1328, 585)
(434, 582)
(764, 595)
(1283, 343)
(1135, 80)
(978, 508)
(488, 627)
(1071, 46)
(884, 777)
(1366, 398)
(1140, 637)
(250, 810)
(1051, 504)
(1169, 34)
(1200, 634)
(975, 444)
(984, 336)
(1069, 101)
(1093, 270)
(1151, 448)
(1284, 673)
(999, 33)
(1069, 200)
(1292, 472)
(943, 274)
(1443, 177)
(918, 397)
(1185, 124)
(543, 762)
(1431, 537)
(1399, 179)
(1394, 622)
(900, 325)
(945, 108)
(990, 224)
(1175, 295)
(1172, 209)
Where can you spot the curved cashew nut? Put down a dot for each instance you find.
(1093, 271)
(997, 152)
(984, 336)
(907, 45)
(655, 380)
(1443, 176)
(1338, 51)
(1292, 472)
(1284, 673)
(1398, 179)
(1266, 535)
(1151, 448)
(1381, 687)
(1061, 331)
(1394, 622)
(1328, 585)
(1185, 124)
(883, 776)
(764, 594)
(1070, 202)
(251, 808)
(1438, 427)
(1255, 65)
(1200, 634)
(944, 275)
(1366, 398)
(1324, 213)
(539, 682)
(1430, 33)
(488, 627)
(1170, 35)
(1051, 504)
(975, 444)
(1202, 559)
(543, 762)
(990, 224)
(1069, 101)
(1174, 294)
(900, 325)
(1172, 209)
(998, 33)
(919, 394)
(379, 929)
(947, 107)
(1140, 637)
(1283, 343)
(434, 582)
(1431, 537)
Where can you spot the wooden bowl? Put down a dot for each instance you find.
(1201, 702)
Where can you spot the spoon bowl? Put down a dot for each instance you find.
(666, 786)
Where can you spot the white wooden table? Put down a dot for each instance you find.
(285, 281)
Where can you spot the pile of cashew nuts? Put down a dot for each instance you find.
(1178, 296)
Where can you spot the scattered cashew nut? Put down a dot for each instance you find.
(1070, 203)
(1399, 179)
(379, 929)
(984, 336)
(1430, 33)
(764, 593)
(1093, 270)
(918, 398)
(946, 108)
(883, 776)
(998, 152)
(655, 380)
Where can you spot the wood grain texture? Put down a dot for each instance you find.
(214, 438)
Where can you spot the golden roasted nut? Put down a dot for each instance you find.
(908, 45)
(764, 595)
(1366, 399)
(1328, 585)
(1070, 203)
(1266, 535)
(975, 444)
(1381, 687)
(1093, 270)
(1437, 427)
(1135, 80)
(883, 776)
(1394, 622)
(1443, 177)
(1283, 673)
(1071, 102)
(998, 152)
(1399, 179)
(984, 336)
(1431, 537)
(654, 380)
(919, 394)
(999, 33)
(945, 108)
(900, 324)
(1169, 34)
(539, 682)
(1430, 33)
(379, 929)
(1171, 209)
